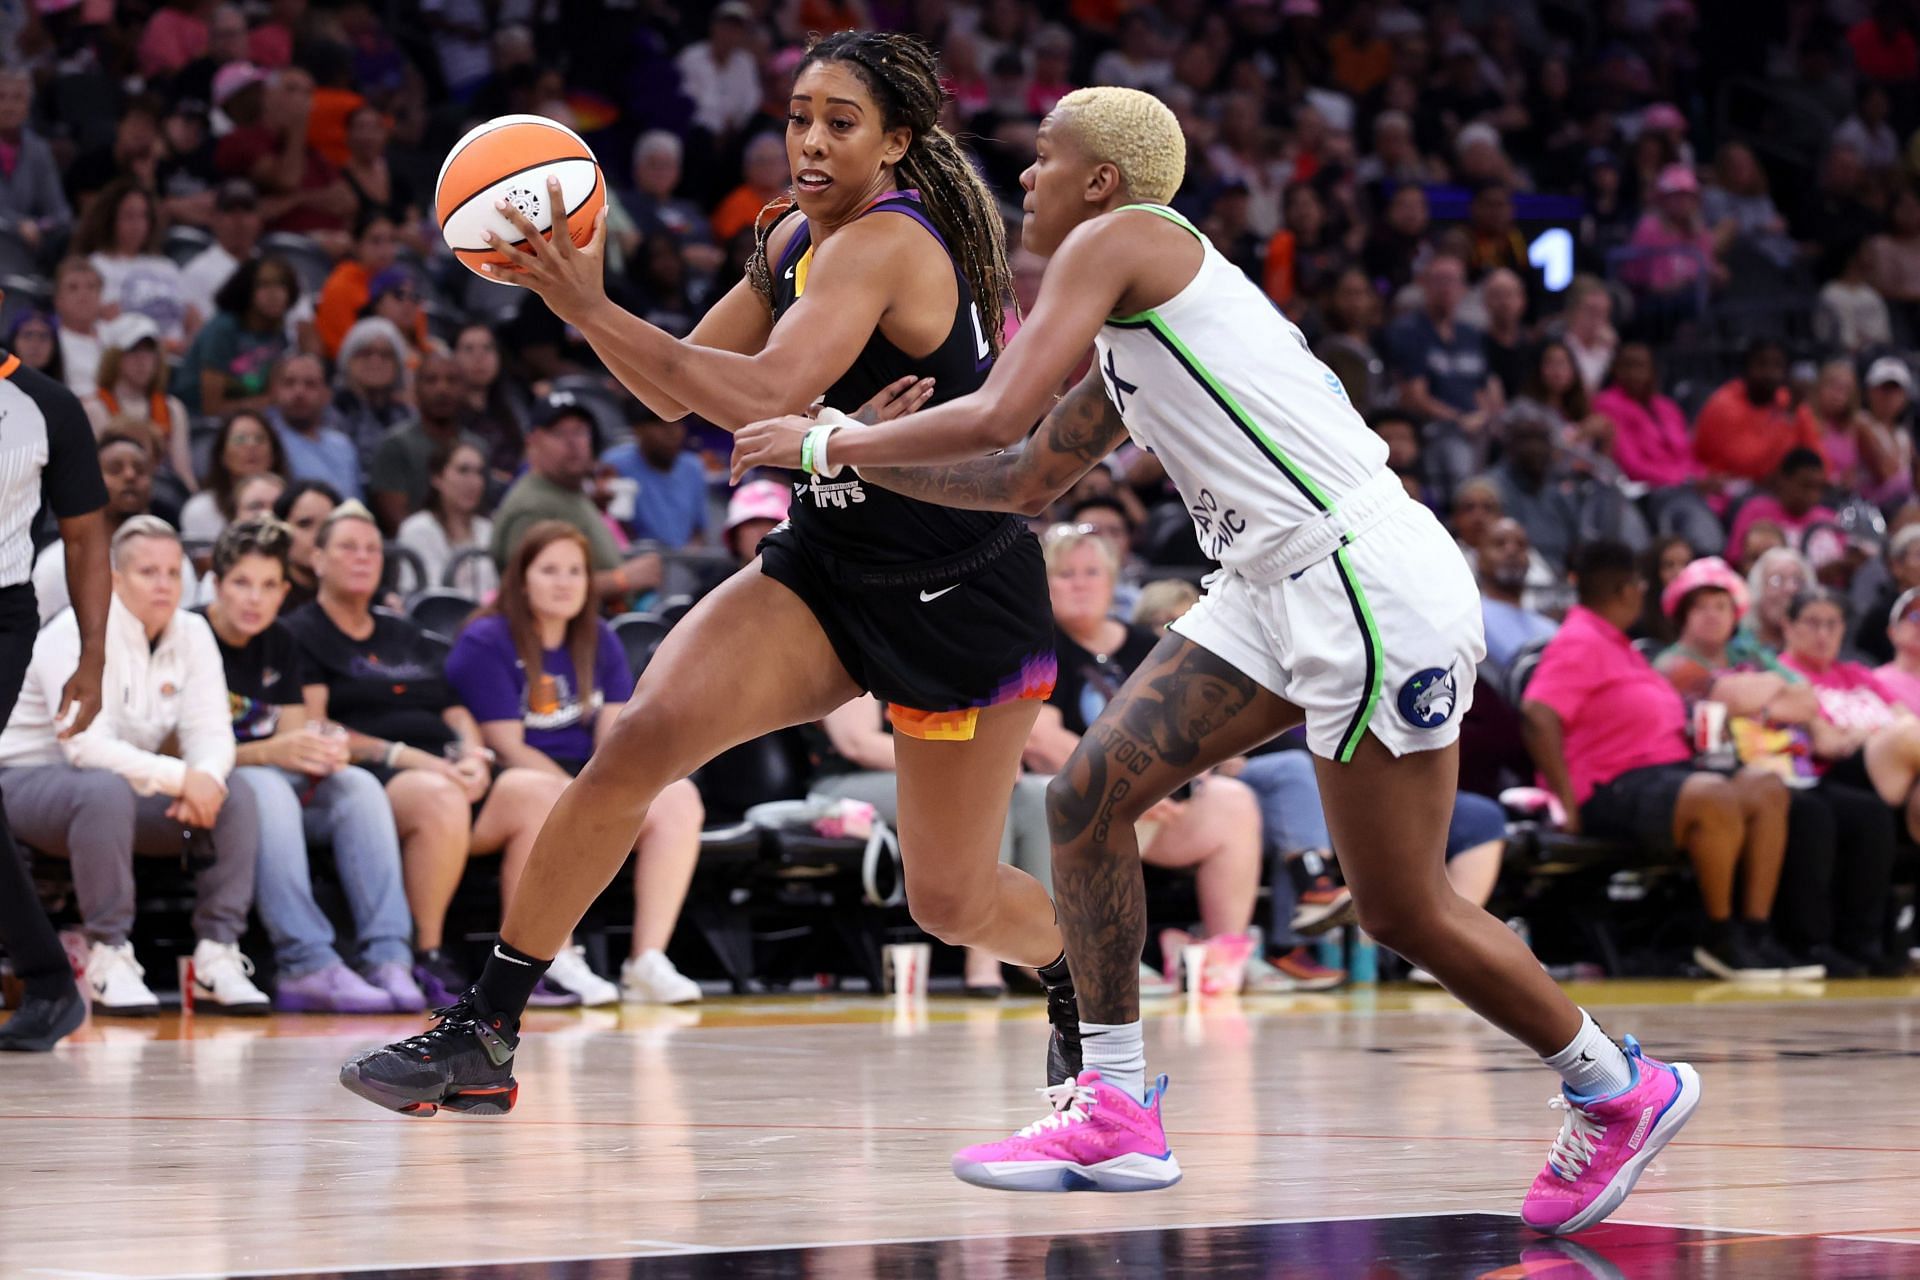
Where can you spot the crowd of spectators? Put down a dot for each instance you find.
(1613, 293)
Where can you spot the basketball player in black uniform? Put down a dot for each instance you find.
(47, 454)
(893, 265)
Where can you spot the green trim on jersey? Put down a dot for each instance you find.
(1160, 210)
(1152, 320)
(1376, 657)
(1221, 396)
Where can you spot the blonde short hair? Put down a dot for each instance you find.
(1062, 540)
(1164, 601)
(351, 509)
(1133, 131)
(142, 526)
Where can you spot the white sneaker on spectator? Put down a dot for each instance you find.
(650, 978)
(114, 982)
(223, 978)
(569, 972)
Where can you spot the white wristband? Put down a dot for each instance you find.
(833, 420)
(821, 467)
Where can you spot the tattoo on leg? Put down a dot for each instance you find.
(1182, 704)
(1103, 917)
(1165, 716)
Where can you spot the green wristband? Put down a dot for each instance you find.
(806, 452)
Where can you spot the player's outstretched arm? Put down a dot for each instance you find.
(854, 281)
(1084, 283)
(1082, 429)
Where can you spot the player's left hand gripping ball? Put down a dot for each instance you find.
(774, 442)
(571, 280)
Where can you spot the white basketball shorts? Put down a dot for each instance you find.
(1383, 636)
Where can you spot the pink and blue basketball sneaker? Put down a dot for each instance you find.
(1098, 1139)
(1605, 1144)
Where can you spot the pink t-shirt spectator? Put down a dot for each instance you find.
(1842, 454)
(1850, 694)
(1650, 442)
(270, 45)
(171, 40)
(1904, 687)
(1764, 506)
(1666, 272)
(1616, 712)
(1886, 56)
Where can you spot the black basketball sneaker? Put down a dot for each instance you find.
(464, 1063)
(1063, 1046)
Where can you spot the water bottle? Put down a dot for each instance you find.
(1364, 967)
(1331, 950)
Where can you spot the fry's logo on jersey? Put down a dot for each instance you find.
(1427, 699)
(831, 494)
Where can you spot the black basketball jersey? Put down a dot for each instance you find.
(864, 523)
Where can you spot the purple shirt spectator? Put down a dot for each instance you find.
(486, 674)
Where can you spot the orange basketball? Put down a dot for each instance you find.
(510, 158)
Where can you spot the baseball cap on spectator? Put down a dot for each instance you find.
(195, 107)
(1676, 179)
(234, 78)
(736, 10)
(557, 405)
(1663, 116)
(1707, 571)
(1477, 132)
(758, 500)
(1462, 45)
(128, 330)
(1890, 369)
(236, 193)
(1601, 158)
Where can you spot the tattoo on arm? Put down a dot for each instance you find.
(1082, 429)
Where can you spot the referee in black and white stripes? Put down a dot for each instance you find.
(47, 453)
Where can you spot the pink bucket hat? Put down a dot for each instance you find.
(760, 500)
(1708, 571)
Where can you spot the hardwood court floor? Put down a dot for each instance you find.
(1379, 1133)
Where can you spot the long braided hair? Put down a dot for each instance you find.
(903, 75)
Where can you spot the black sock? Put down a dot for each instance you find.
(39, 960)
(49, 986)
(1055, 974)
(509, 978)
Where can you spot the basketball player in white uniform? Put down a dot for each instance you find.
(1341, 602)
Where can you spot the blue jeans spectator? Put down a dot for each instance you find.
(350, 811)
(1295, 823)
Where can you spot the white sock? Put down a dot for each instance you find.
(1118, 1051)
(1593, 1065)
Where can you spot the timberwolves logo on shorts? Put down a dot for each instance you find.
(1428, 698)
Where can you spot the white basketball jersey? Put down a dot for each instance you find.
(1256, 433)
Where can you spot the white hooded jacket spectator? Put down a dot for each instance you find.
(149, 694)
